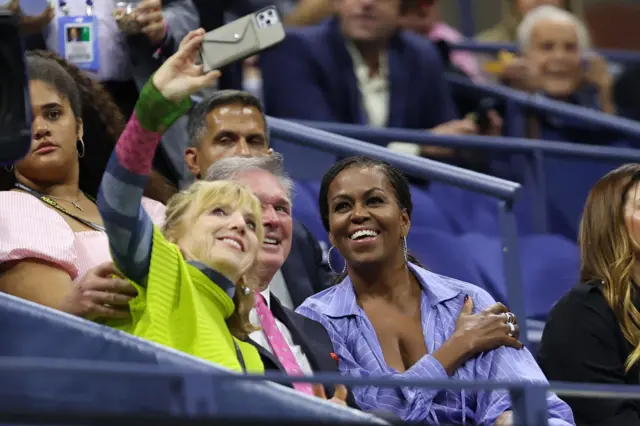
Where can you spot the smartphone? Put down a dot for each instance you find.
(481, 114)
(241, 38)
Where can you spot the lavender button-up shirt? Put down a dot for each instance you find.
(356, 344)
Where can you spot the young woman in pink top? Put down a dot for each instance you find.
(53, 248)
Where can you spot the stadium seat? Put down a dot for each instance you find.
(61, 344)
(550, 267)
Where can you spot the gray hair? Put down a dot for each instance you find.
(555, 14)
(228, 168)
(197, 123)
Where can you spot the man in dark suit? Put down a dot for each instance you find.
(360, 68)
(308, 346)
(232, 123)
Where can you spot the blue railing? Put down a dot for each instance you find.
(534, 149)
(612, 55)
(540, 103)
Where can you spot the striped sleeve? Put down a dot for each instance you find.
(128, 225)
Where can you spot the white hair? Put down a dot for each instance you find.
(555, 14)
(228, 168)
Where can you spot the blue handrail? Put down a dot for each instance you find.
(40, 366)
(613, 55)
(540, 103)
(417, 166)
(383, 136)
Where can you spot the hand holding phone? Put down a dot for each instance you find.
(241, 38)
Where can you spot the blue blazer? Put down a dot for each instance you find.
(305, 271)
(310, 76)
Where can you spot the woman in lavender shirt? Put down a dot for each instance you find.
(389, 317)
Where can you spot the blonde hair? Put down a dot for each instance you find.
(608, 251)
(201, 196)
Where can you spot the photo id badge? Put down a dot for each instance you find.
(78, 41)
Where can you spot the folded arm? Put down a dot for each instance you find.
(410, 403)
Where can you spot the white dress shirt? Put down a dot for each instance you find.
(112, 45)
(374, 89)
(260, 338)
(375, 95)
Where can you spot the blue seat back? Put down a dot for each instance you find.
(32, 331)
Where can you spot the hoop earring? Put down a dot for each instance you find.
(9, 169)
(405, 249)
(81, 154)
(344, 268)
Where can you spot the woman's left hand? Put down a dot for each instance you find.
(179, 77)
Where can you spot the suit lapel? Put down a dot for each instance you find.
(398, 87)
(296, 277)
(346, 76)
(265, 354)
(319, 355)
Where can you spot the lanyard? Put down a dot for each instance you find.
(58, 207)
(88, 8)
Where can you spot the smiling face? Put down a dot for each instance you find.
(366, 224)
(276, 219)
(554, 51)
(55, 132)
(220, 231)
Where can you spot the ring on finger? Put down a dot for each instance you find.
(512, 329)
(511, 318)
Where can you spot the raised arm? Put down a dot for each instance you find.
(162, 101)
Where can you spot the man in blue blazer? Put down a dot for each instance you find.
(360, 68)
(231, 123)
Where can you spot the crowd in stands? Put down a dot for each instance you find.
(152, 201)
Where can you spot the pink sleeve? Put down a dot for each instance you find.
(156, 210)
(29, 230)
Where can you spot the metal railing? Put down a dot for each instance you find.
(535, 150)
(613, 55)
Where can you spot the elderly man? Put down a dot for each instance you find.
(556, 61)
(232, 123)
(307, 347)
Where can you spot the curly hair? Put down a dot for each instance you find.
(102, 120)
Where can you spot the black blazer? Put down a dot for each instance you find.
(311, 336)
(305, 271)
(582, 342)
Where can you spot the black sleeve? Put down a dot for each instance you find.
(582, 343)
(320, 272)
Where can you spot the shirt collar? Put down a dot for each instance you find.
(267, 296)
(361, 67)
(343, 300)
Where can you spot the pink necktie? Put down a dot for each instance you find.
(279, 345)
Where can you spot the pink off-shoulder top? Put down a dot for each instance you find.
(30, 230)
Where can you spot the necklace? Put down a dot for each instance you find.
(73, 203)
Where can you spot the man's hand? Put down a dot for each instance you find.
(153, 25)
(339, 395)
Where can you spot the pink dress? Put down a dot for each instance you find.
(30, 230)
